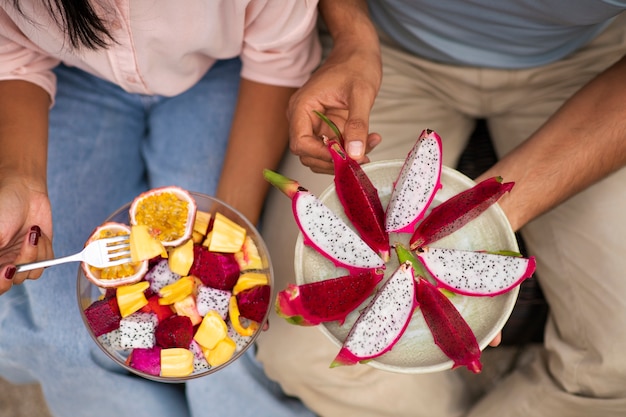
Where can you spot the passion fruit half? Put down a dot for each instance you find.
(113, 276)
(169, 212)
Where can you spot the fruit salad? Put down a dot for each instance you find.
(194, 296)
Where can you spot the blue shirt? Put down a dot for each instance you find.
(493, 33)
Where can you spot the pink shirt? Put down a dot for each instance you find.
(164, 47)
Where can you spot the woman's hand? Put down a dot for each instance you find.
(25, 230)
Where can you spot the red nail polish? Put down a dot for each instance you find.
(33, 237)
(10, 271)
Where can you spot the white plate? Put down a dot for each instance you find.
(416, 352)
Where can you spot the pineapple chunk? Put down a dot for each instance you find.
(212, 329)
(176, 362)
(181, 258)
(131, 298)
(201, 224)
(226, 235)
(249, 280)
(221, 353)
(176, 291)
(233, 313)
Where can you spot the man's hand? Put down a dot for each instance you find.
(343, 88)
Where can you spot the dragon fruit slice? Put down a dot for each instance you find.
(359, 199)
(449, 329)
(458, 210)
(383, 321)
(417, 183)
(475, 273)
(327, 300)
(357, 195)
(324, 230)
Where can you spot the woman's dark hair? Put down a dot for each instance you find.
(78, 19)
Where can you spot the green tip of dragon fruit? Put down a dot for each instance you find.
(406, 255)
(287, 185)
(330, 124)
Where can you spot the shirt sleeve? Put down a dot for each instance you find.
(22, 60)
(281, 44)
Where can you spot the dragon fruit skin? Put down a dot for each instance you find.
(449, 329)
(381, 324)
(475, 273)
(146, 360)
(323, 230)
(137, 330)
(416, 185)
(458, 210)
(327, 300)
(359, 199)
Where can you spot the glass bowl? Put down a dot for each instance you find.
(416, 352)
(88, 292)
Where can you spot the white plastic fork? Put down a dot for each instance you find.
(101, 253)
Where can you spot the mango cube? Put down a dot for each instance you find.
(221, 353)
(176, 291)
(131, 298)
(212, 329)
(176, 362)
(181, 258)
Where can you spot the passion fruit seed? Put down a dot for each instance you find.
(166, 215)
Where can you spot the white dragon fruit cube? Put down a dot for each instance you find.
(161, 275)
(137, 330)
(209, 298)
(111, 340)
(199, 360)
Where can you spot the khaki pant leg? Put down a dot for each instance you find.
(581, 264)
